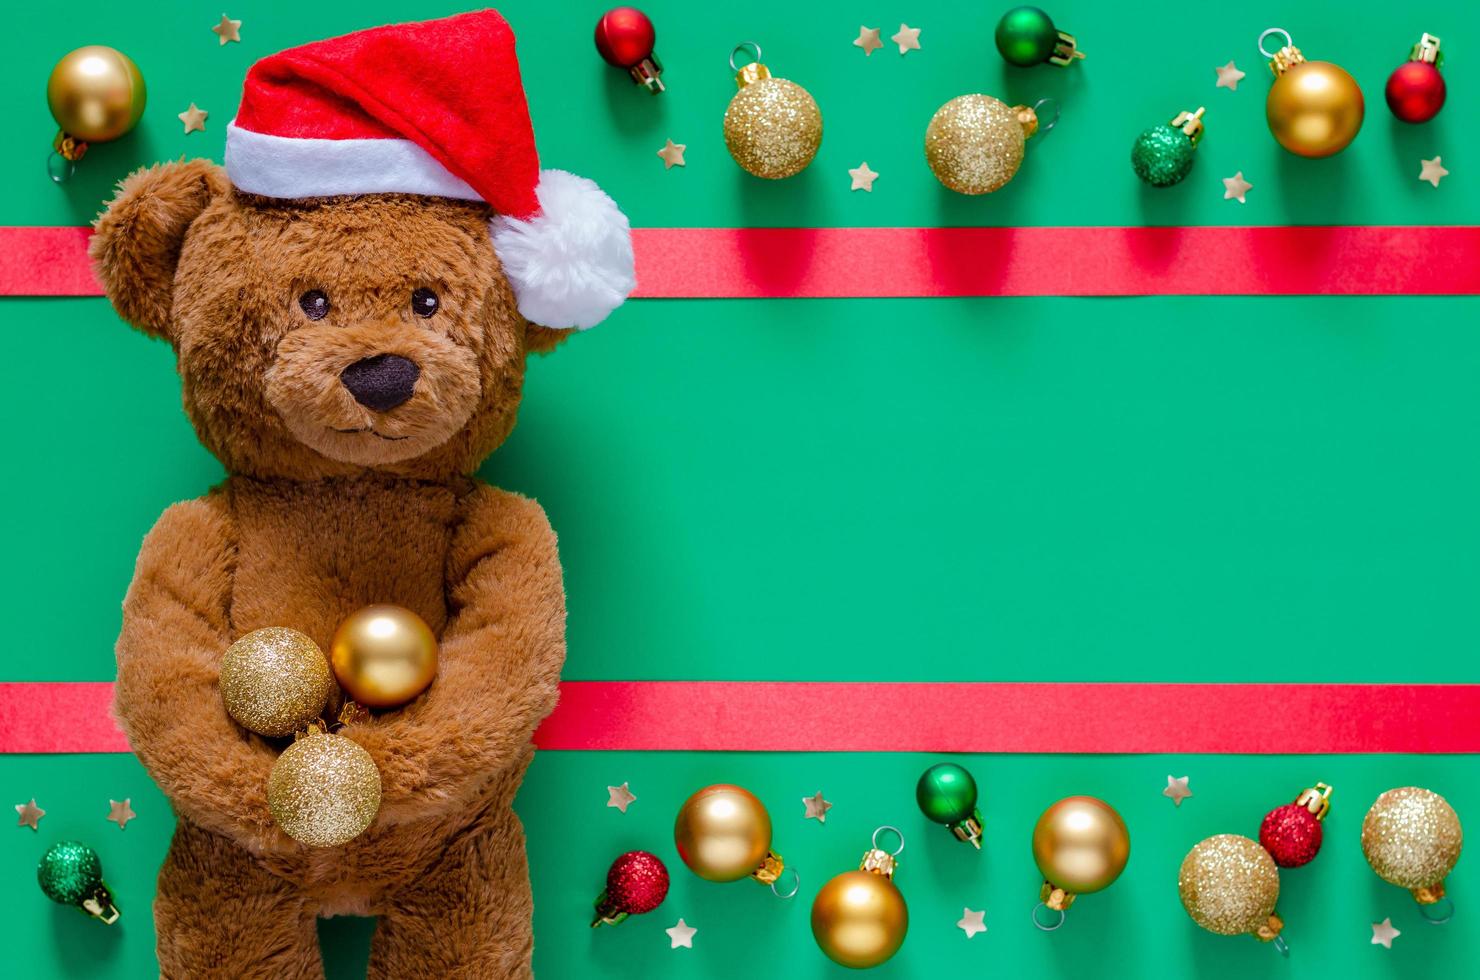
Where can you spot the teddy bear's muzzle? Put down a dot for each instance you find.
(382, 382)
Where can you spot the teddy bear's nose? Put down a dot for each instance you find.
(381, 382)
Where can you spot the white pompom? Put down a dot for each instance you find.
(571, 264)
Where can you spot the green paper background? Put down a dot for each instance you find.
(1151, 489)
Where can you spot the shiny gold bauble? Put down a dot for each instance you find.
(723, 833)
(1412, 837)
(96, 93)
(974, 143)
(859, 919)
(1081, 844)
(1229, 885)
(384, 656)
(1314, 109)
(275, 681)
(772, 126)
(324, 790)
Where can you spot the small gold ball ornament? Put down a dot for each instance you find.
(859, 918)
(384, 656)
(1314, 108)
(772, 126)
(974, 143)
(1081, 845)
(1229, 885)
(1412, 838)
(275, 681)
(324, 790)
(723, 833)
(95, 93)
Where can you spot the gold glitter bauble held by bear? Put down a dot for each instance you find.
(275, 681)
(772, 126)
(324, 790)
(1229, 885)
(974, 143)
(1412, 838)
(384, 656)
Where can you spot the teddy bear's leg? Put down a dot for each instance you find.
(468, 915)
(218, 913)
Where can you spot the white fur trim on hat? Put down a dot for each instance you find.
(571, 264)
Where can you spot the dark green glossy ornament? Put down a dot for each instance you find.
(1026, 37)
(947, 795)
(71, 874)
(1163, 155)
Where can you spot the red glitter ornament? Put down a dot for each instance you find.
(1292, 833)
(1415, 89)
(637, 882)
(625, 38)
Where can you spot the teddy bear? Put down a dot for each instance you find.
(350, 301)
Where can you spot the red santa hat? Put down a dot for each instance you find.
(435, 108)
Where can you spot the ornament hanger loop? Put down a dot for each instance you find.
(1048, 927)
(888, 829)
(1438, 913)
(59, 168)
(1044, 127)
(1278, 942)
(1274, 30)
(796, 885)
(742, 47)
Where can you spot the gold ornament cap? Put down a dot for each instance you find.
(1190, 123)
(1427, 49)
(1316, 799)
(878, 861)
(1287, 57)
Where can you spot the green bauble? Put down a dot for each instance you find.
(947, 795)
(1026, 36)
(71, 874)
(1163, 156)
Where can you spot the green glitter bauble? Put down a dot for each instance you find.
(69, 872)
(946, 793)
(1163, 156)
(1026, 36)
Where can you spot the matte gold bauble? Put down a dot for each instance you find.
(324, 790)
(96, 93)
(1314, 108)
(1081, 845)
(974, 143)
(1412, 838)
(723, 833)
(275, 681)
(772, 126)
(1229, 885)
(859, 919)
(384, 656)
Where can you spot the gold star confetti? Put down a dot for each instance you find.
(30, 814)
(681, 935)
(868, 40)
(908, 38)
(120, 812)
(1235, 187)
(672, 154)
(863, 178)
(620, 797)
(1228, 77)
(971, 922)
(1383, 933)
(817, 807)
(1177, 790)
(1433, 171)
(228, 30)
(194, 119)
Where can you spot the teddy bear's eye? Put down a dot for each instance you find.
(424, 302)
(315, 304)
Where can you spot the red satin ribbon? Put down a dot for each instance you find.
(762, 263)
(763, 716)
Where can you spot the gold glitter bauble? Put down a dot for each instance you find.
(384, 655)
(723, 833)
(1229, 885)
(974, 143)
(1081, 844)
(773, 126)
(1412, 837)
(275, 681)
(324, 790)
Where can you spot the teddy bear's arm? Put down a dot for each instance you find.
(498, 666)
(175, 629)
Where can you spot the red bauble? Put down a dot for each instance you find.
(1291, 834)
(625, 36)
(637, 882)
(1415, 91)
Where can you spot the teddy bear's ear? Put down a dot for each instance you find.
(137, 242)
(542, 340)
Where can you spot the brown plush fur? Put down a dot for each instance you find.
(315, 522)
